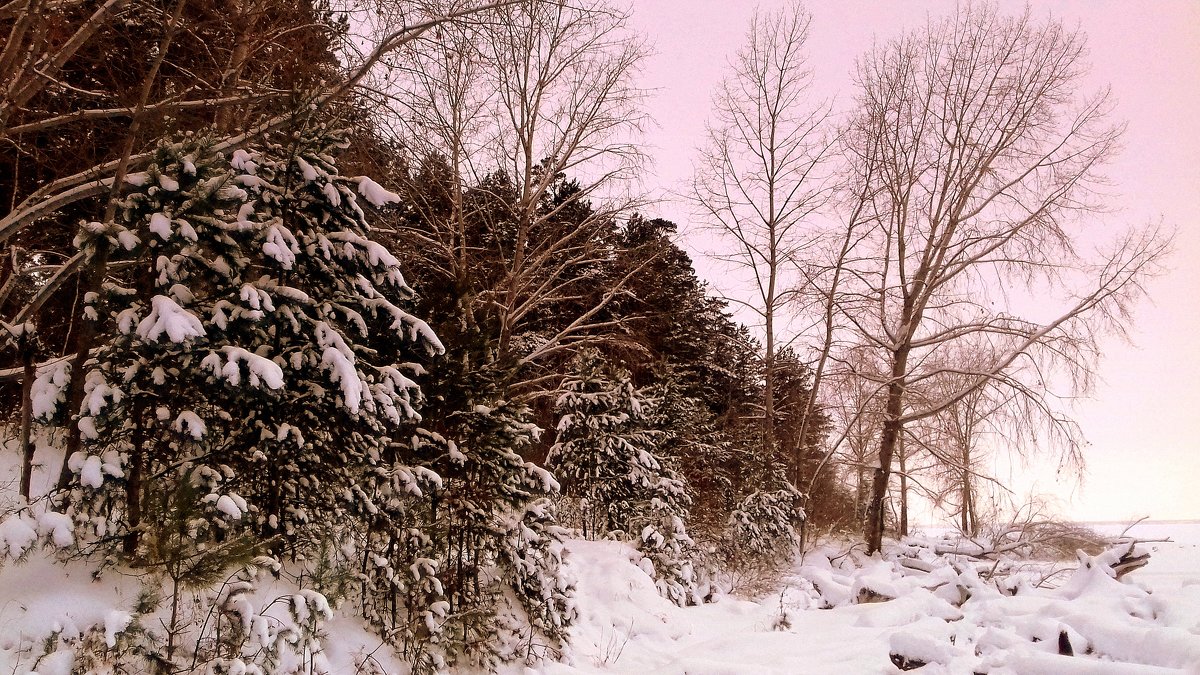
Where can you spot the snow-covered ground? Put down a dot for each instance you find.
(955, 617)
(1148, 623)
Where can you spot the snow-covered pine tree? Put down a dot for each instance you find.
(251, 332)
(763, 523)
(606, 457)
(499, 546)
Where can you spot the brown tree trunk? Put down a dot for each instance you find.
(85, 334)
(967, 520)
(903, 490)
(892, 427)
(27, 426)
(133, 486)
(768, 426)
(860, 496)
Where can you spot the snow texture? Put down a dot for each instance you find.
(16, 535)
(376, 193)
(625, 626)
(167, 317)
(50, 388)
(261, 369)
(189, 423)
(160, 224)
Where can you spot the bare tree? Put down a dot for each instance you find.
(984, 161)
(965, 427)
(536, 91)
(855, 406)
(763, 172)
(963, 438)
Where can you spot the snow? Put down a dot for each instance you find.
(375, 193)
(87, 427)
(127, 240)
(168, 317)
(243, 216)
(189, 423)
(331, 193)
(226, 505)
(16, 535)
(338, 359)
(91, 473)
(115, 623)
(946, 612)
(50, 388)
(160, 224)
(310, 174)
(59, 528)
(625, 627)
(243, 161)
(281, 245)
(261, 369)
(919, 647)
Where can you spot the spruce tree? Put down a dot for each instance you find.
(606, 456)
(509, 597)
(254, 336)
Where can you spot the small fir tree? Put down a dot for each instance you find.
(607, 457)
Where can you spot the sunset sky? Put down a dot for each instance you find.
(1143, 423)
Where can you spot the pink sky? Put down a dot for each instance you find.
(1144, 421)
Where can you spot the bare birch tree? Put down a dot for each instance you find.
(764, 171)
(985, 160)
(964, 438)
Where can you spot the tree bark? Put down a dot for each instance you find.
(27, 426)
(903, 488)
(892, 428)
(86, 335)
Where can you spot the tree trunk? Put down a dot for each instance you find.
(27, 427)
(860, 495)
(903, 490)
(768, 427)
(133, 485)
(892, 427)
(968, 508)
(85, 334)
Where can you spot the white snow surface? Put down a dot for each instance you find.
(376, 193)
(1149, 622)
(160, 224)
(624, 626)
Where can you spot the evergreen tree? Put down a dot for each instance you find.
(255, 334)
(504, 579)
(606, 457)
(492, 534)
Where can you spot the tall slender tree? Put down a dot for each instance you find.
(536, 121)
(764, 171)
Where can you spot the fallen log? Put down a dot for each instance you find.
(1129, 561)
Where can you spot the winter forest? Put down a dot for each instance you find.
(345, 336)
